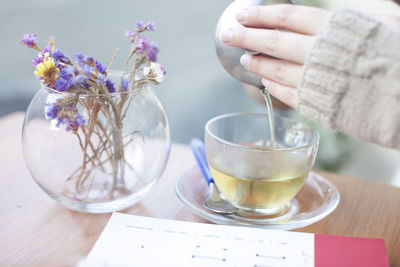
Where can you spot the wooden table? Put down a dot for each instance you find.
(37, 231)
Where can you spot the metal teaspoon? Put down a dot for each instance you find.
(214, 201)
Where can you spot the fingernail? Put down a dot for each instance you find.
(265, 82)
(226, 36)
(241, 16)
(245, 60)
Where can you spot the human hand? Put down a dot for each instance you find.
(282, 74)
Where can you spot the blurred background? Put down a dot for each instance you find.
(196, 87)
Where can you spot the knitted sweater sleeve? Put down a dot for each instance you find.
(351, 79)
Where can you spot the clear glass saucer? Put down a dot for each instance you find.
(317, 198)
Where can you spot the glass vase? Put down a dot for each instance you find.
(96, 153)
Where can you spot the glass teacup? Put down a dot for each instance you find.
(253, 173)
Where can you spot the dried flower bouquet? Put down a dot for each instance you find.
(89, 107)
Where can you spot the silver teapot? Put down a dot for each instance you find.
(230, 56)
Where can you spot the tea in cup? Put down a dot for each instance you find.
(253, 173)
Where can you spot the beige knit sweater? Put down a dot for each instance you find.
(351, 79)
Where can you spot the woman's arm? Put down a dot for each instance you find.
(341, 69)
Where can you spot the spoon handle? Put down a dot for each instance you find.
(199, 153)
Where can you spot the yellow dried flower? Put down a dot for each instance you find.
(47, 69)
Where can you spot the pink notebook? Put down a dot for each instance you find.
(334, 251)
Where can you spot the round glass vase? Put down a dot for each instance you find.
(96, 153)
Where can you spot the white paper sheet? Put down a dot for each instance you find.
(130, 240)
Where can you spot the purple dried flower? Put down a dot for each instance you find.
(163, 69)
(150, 26)
(141, 44)
(71, 123)
(110, 86)
(78, 57)
(130, 33)
(68, 124)
(124, 84)
(30, 40)
(79, 120)
(64, 81)
(101, 68)
(69, 70)
(69, 116)
(52, 110)
(152, 52)
(139, 24)
(86, 69)
(37, 59)
(59, 56)
(88, 59)
(47, 49)
(63, 84)
(100, 78)
(59, 121)
(78, 79)
(86, 85)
